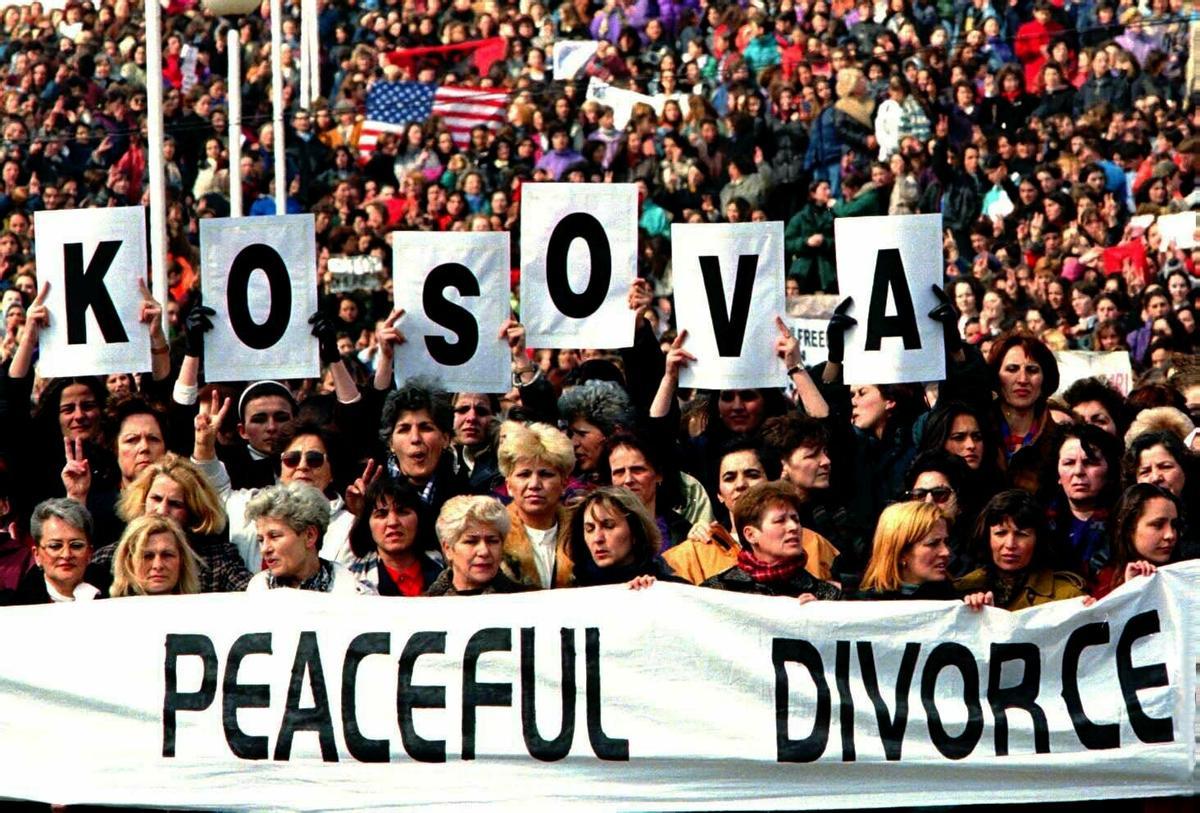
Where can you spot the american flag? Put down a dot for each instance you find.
(392, 106)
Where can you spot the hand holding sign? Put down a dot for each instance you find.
(513, 332)
(839, 323)
(947, 315)
(77, 473)
(325, 331)
(198, 322)
(640, 295)
(151, 312)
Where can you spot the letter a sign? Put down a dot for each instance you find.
(889, 266)
(93, 260)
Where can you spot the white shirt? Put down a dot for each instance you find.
(83, 592)
(544, 545)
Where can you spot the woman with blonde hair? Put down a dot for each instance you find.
(154, 558)
(536, 461)
(174, 487)
(910, 556)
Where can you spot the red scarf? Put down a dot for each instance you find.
(760, 571)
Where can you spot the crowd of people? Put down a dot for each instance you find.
(1053, 140)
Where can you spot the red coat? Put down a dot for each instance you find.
(1031, 38)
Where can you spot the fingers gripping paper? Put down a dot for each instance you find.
(889, 266)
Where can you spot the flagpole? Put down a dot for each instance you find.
(235, 121)
(281, 182)
(305, 55)
(154, 135)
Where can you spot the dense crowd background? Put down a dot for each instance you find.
(1051, 137)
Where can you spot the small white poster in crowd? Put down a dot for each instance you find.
(728, 292)
(1112, 368)
(1178, 228)
(578, 259)
(93, 260)
(810, 333)
(889, 266)
(259, 275)
(453, 288)
(570, 56)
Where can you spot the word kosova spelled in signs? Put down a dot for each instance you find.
(258, 275)
(93, 263)
(728, 292)
(889, 266)
(578, 260)
(229, 699)
(453, 288)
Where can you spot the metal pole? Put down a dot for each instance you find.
(306, 34)
(158, 182)
(235, 122)
(281, 182)
(314, 60)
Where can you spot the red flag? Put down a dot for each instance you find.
(1115, 257)
(482, 52)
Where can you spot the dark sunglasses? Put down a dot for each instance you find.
(940, 494)
(315, 460)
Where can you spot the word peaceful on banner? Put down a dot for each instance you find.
(93, 265)
(728, 292)
(454, 291)
(685, 699)
(578, 259)
(258, 275)
(889, 265)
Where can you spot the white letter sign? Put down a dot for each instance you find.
(260, 276)
(578, 259)
(889, 265)
(93, 260)
(728, 292)
(453, 288)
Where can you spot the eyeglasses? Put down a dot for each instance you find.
(315, 460)
(75, 546)
(940, 494)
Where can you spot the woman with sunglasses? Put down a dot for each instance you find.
(308, 457)
(1011, 541)
(939, 478)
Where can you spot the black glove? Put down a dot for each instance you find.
(326, 332)
(946, 314)
(198, 323)
(835, 334)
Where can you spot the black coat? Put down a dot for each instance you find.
(738, 581)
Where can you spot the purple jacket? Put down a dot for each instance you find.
(557, 162)
(634, 14)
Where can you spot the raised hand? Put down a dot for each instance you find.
(677, 357)
(197, 323)
(389, 335)
(77, 473)
(786, 346)
(513, 332)
(38, 315)
(325, 330)
(641, 294)
(151, 311)
(835, 334)
(206, 424)
(358, 489)
(946, 314)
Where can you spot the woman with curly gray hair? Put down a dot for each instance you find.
(592, 413)
(290, 521)
(471, 531)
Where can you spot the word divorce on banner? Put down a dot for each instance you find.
(551, 697)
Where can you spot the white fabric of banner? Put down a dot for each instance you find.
(561, 223)
(104, 246)
(287, 244)
(1113, 368)
(486, 257)
(696, 699)
(866, 249)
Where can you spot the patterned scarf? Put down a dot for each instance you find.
(760, 571)
(319, 582)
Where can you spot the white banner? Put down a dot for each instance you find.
(260, 275)
(1180, 228)
(675, 698)
(811, 333)
(93, 260)
(570, 56)
(578, 259)
(889, 265)
(453, 288)
(728, 292)
(1112, 368)
(622, 101)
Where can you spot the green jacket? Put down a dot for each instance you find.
(813, 267)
